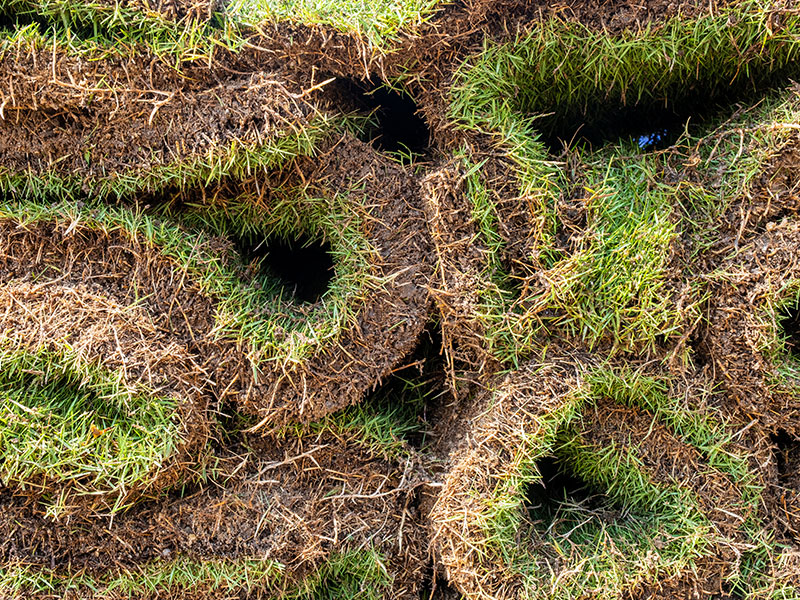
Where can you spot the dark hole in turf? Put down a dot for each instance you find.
(787, 452)
(699, 352)
(303, 266)
(652, 124)
(648, 130)
(436, 587)
(789, 323)
(13, 22)
(556, 487)
(397, 125)
(410, 395)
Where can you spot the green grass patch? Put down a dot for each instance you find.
(377, 22)
(70, 429)
(611, 289)
(354, 575)
(117, 29)
(351, 575)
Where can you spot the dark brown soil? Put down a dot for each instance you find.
(740, 326)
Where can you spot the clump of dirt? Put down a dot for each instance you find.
(784, 489)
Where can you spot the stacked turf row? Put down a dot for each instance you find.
(619, 245)
(273, 357)
(114, 436)
(279, 509)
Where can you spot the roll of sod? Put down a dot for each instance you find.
(102, 386)
(577, 227)
(80, 118)
(316, 328)
(477, 508)
(577, 479)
